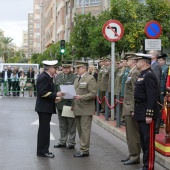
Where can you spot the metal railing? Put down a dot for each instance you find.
(18, 86)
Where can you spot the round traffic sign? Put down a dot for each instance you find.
(113, 30)
(153, 29)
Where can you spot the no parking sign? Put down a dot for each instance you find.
(153, 29)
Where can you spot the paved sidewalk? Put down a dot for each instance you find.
(120, 133)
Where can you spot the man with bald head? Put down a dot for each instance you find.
(155, 66)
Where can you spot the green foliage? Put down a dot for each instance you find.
(79, 38)
(52, 53)
(5, 42)
(134, 16)
(159, 10)
(99, 46)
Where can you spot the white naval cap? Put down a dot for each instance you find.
(50, 63)
(142, 56)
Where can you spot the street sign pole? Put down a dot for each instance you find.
(112, 77)
(112, 31)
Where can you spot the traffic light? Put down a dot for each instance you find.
(62, 46)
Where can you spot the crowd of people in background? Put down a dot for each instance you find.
(15, 82)
(158, 65)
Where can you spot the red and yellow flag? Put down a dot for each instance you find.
(164, 114)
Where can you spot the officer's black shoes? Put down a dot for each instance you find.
(59, 146)
(162, 124)
(124, 160)
(131, 162)
(81, 154)
(70, 147)
(46, 155)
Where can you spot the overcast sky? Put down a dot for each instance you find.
(13, 18)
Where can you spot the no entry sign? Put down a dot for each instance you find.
(153, 29)
(113, 30)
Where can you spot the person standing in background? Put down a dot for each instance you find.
(105, 78)
(99, 82)
(145, 110)
(92, 71)
(132, 129)
(5, 78)
(155, 66)
(162, 62)
(124, 77)
(9, 80)
(22, 82)
(30, 80)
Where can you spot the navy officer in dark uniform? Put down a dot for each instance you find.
(146, 108)
(45, 107)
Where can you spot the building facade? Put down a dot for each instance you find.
(56, 18)
(24, 47)
(30, 33)
(36, 36)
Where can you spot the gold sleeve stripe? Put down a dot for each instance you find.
(47, 94)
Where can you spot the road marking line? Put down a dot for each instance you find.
(37, 123)
(51, 136)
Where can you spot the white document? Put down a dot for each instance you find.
(68, 90)
(67, 112)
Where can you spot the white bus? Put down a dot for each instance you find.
(23, 66)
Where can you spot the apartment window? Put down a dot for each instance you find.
(30, 26)
(88, 2)
(37, 35)
(37, 6)
(30, 15)
(38, 45)
(37, 16)
(37, 25)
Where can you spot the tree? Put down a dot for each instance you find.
(159, 10)
(99, 46)
(134, 16)
(79, 38)
(6, 41)
(52, 53)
